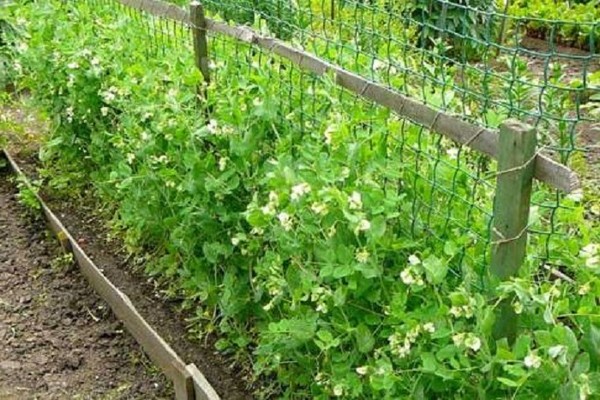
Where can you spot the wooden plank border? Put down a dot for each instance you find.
(188, 382)
(464, 133)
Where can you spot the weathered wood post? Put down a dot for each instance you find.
(198, 22)
(516, 166)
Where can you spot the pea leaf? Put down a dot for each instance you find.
(364, 339)
(435, 269)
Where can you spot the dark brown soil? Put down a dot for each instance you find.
(81, 219)
(58, 340)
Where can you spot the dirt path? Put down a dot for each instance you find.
(58, 340)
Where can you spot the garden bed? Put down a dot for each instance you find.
(57, 337)
(81, 218)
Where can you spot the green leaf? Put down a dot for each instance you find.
(378, 227)
(565, 336)
(364, 338)
(507, 382)
(446, 352)
(435, 269)
(369, 270)
(450, 248)
(341, 271)
(591, 343)
(430, 364)
(487, 324)
(581, 365)
(521, 347)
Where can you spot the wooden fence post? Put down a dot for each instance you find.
(516, 166)
(198, 21)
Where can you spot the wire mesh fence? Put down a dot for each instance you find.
(466, 60)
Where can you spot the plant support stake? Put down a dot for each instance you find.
(198, 22)
(516, 166)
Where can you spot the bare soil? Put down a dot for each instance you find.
(58, 339)
(576, 63)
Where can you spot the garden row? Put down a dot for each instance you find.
(341, 249)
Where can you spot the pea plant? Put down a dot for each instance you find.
(319, 239)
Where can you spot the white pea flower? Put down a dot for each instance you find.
(345, 173)
(412, 334)
(268, 306)
(109, 96)
(338, 390)
(227, 130)
(452, 153)
(257, 102)
(414, 260)
(468, 311)
(147, 115)
(320, 379)
(407, 277)
(130, 158)
(429, 327)
(235, 240)
(213, 126)
(95, 61)
(331, 231)
(398, 346)
(378, 65)
(590, 250)
(362, 370)
(319, 208)
(404, 351)
(455, 311)
(322, 308)
(170, 184)
(473, 342)
(363, 225)
(299, 190)
(362, 256)
(458, 339)
(355, 201)
(532, 361)
(555, 351)
(328, 134)
(18, 67)
(268, 209)
(73, 65)
(274, 198)
(70, 114)
(518, 307)
(285, 220)
(222, 163)
(592, 262)
(145, 136)
(104, 111)
(584, 289)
